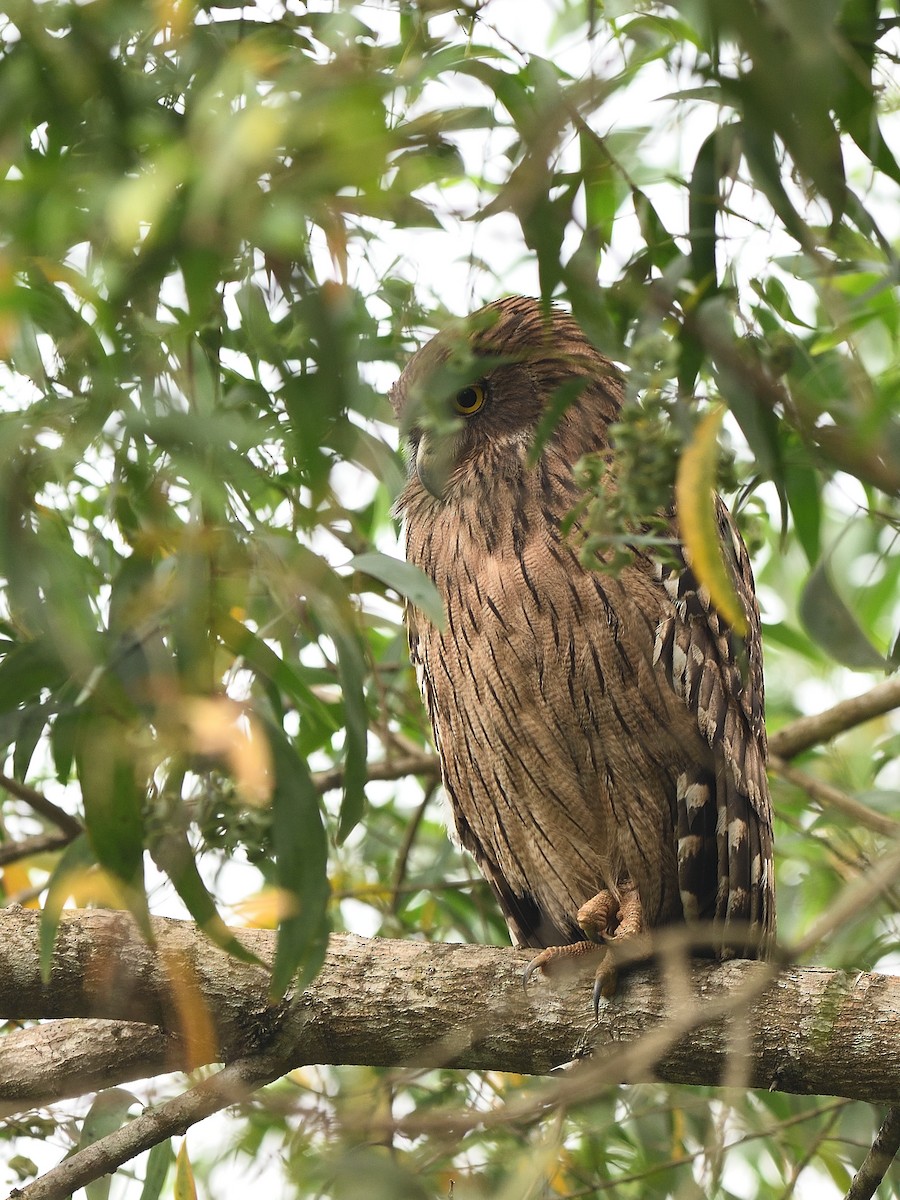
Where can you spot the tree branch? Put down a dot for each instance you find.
(784, 744)
(388, 1003)
(41, 1064)
(228, 1086)
(805, 732)
(40, 843)
(831, 797)
(46, 808)
(875, 1164)
(424, 763)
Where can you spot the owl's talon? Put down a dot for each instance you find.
(606, 980)
(554, 958)
(536, 964)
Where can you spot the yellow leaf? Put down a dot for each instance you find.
(195, 1023)
(223, 728)
(266, 908)
(92, 886)
(696, 506)
(185, 1187)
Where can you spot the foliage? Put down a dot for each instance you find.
(223, 230)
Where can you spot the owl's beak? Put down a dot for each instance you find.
(435, 460)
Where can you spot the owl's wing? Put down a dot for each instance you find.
(719, 675)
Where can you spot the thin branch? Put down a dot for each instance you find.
(41, 843)
(684, 1159)
(830, 797)
(784, 744)
(878, 1160)
(424, 763)
(46, 808)
(409, 837)
(154, 1125)
(812, 1149)
(805, 732)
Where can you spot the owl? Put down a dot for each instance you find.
(601, 734)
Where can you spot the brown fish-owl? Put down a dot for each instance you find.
(601, 735)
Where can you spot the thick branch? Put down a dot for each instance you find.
(389, 1003)
(43, 1063)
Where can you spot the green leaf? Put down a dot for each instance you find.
(172, 853)
(159, 1162)
(113, 807)
(301, 860)
(711, 162)
(801, 485)
(830, 622)
(352, 670)
(561, 400)
(63, 734)
(261, 658)
(407, 579)
(108, 1113)
(26, 670)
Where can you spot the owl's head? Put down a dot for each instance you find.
(474, 401)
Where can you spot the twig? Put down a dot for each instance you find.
(830, 797)
(409, 837)
(805, 732)
(783, 745)
(175, 1116)
(875, 1164)
(812, 1149)
(853, 900)
(39, 802)
(41, 843)
(684, 1159)
(424, 763)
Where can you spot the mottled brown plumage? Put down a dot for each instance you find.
(602, 738)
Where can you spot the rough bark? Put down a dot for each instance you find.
(393, 1003)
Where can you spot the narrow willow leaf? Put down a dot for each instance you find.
(107, 1114)
(172, 853)
(301, 860)
(159, 1160)
(802, 488)
(113, 807)
(695, 503)
(352, 670)
(185, 1188)
(407, 579)
(831, 624)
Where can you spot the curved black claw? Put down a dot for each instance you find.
(536, 964)
(606, 981)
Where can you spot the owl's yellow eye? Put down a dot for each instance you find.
(470, 400)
